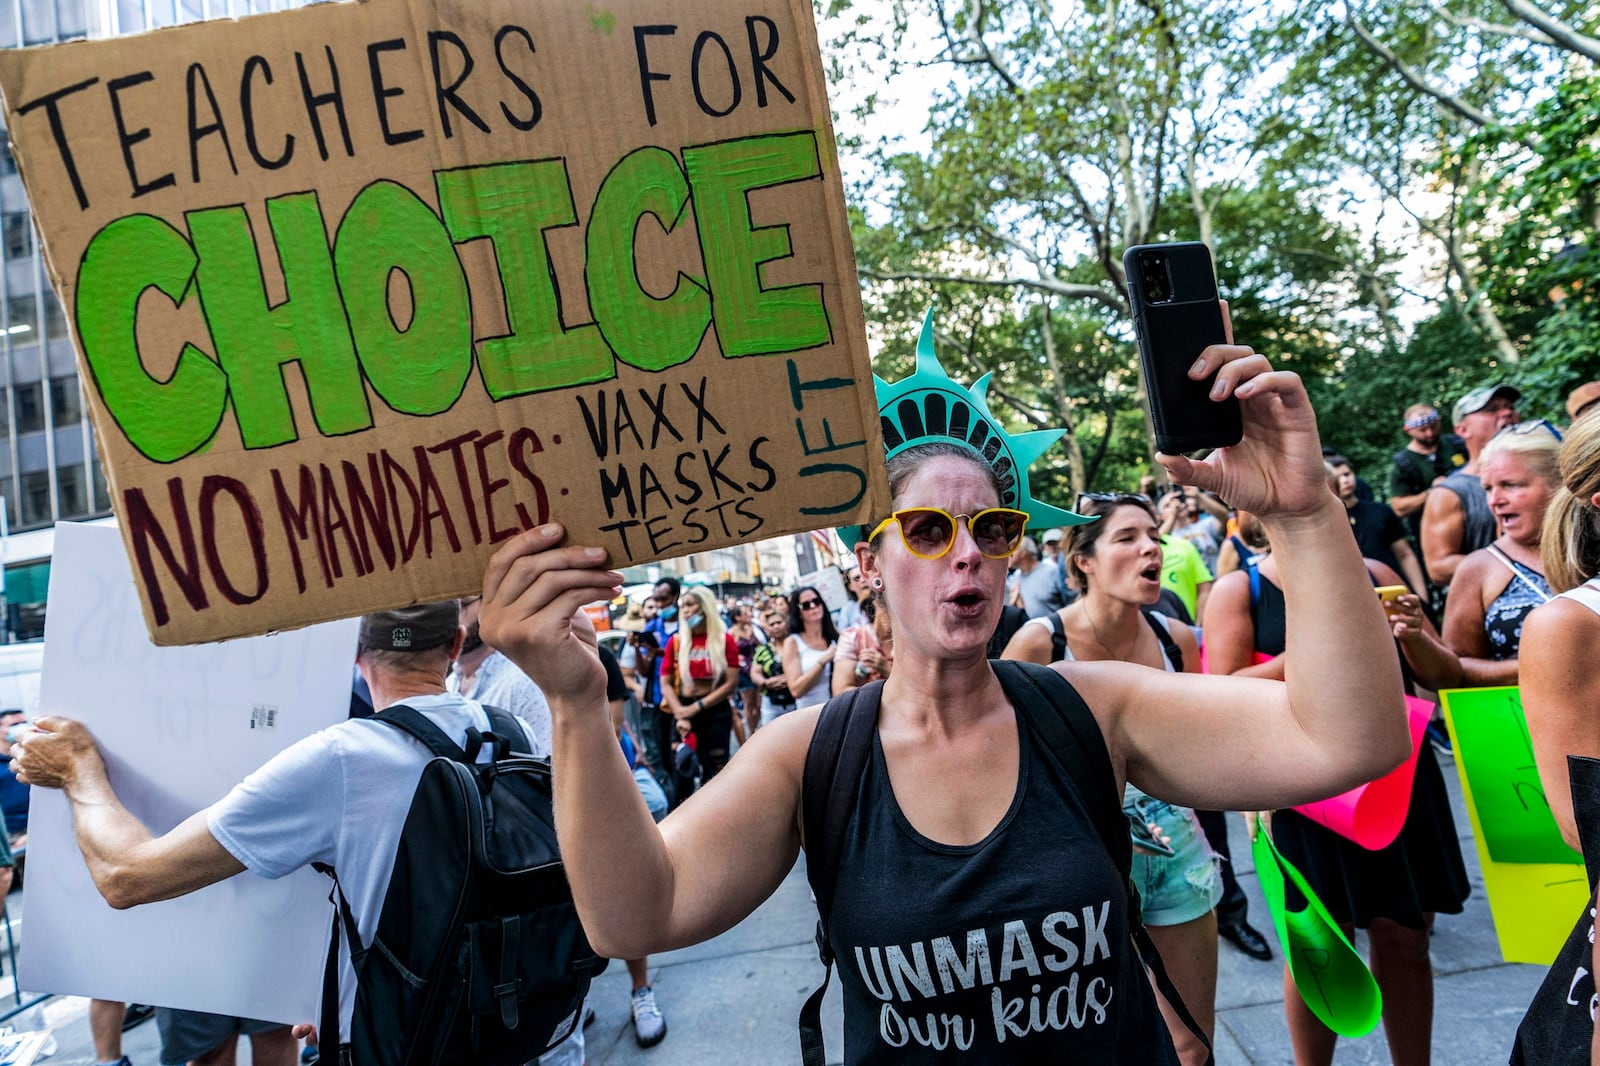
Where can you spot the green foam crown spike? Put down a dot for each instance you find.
(928, 406)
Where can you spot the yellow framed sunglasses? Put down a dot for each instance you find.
(928, 532)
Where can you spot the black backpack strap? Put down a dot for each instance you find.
(508, 727)
(1073, 743)
(343, 922)
(835, 762)
(1164, 635)
(413, 722)
(1058, 637)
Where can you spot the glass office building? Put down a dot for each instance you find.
(49, 469)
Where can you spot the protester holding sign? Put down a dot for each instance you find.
(1392, 893)
(1560, 695)
(331, 799)
(947, 846)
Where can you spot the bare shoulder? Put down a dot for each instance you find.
(1441, 501)
(1560, 623)
(1030, 642)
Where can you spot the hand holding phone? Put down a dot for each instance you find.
(1148, 836)
(1172, 290)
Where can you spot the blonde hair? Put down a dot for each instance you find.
(1540, 449)
(1571, 545)
(715, 631)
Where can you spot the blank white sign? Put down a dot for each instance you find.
(178, 727)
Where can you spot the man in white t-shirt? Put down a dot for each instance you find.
(329, 798)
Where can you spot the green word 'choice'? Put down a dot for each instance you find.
(337, 323)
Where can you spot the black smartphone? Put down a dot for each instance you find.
(1172, 289)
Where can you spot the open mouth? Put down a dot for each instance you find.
(1151, 572)
(967, 599)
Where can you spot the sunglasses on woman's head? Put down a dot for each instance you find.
(928, 532)
(1537, 425)
(1111, 498)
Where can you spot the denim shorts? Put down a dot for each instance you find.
(1180, 888)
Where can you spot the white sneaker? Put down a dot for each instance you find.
(649, 1027)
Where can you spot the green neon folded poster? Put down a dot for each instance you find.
(1330, 976)
(1495, 754)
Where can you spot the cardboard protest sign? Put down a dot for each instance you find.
(362, 290)
(1532, 903)
(1373, 814)
(1496, 755)
(178, 728)
(1328, 972)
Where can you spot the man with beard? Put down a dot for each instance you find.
(1427, 459)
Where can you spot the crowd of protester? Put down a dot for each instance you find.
(1485, 532)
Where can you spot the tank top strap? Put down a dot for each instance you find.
(1587, 594)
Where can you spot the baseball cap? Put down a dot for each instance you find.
(1051, 536)
(1582, 397)
(416, 628)
(1478, 399)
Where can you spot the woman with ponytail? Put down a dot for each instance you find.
(1560, 686)
(1561, 699)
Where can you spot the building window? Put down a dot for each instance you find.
(8, 490)
(130, 16)
(72, 492)
(73, 16)
(55, 322)
(35, 500)
(18, 230)
(5, 412)
(66, 401)
(30, 407)
(102, 491)
(38, 21)
(22, 322)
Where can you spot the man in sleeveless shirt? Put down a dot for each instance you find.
(1456, 520)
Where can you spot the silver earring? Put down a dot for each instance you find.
(877, 583)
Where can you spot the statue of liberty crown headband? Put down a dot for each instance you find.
(928, 406)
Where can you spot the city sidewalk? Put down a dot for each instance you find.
(735, 999)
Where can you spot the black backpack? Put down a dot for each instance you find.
(479, 956)
(1074, 750)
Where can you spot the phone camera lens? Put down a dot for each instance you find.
(1157, 278)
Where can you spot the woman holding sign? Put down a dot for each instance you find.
(1392, 893)
(978, 904)
(1560, 694)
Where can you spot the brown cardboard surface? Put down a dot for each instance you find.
(363, 289)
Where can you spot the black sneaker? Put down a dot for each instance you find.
(135, 1015)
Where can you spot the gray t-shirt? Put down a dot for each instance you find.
(1041, 589)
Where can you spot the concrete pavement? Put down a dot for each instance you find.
(735, 999)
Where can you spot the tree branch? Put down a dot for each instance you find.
(1563, 35)
(977, 51)
(1067, 290)
(1450, 102)
(1472, 22)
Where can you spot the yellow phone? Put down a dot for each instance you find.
(1390, 593)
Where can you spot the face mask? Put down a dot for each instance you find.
(473, 640)
(694, 621)
(667, 613)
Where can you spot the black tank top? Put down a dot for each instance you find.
(1014, 949)
(1269, 616)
